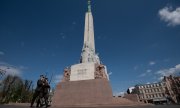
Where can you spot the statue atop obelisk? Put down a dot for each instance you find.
(88, 51)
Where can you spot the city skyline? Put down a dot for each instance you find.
(138, 41)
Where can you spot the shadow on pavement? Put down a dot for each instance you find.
(152, 106)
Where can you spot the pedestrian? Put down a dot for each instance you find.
(38, 90)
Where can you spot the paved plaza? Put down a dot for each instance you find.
(144, 106)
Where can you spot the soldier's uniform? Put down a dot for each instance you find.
(38, 90)
(46, 89)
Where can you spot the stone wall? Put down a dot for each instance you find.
(132, 97)
(87, 92)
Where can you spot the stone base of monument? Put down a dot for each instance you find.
(96, 92)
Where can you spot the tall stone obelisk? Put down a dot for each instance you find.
(88, 51)
(89, 61)
(86, 83)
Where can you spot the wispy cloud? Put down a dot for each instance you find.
(136, 67)
(2, 53)
(143, 75)
(172, 17)
(166, 60)
(63, 36)
(3, 63)
(9, 70)
(118, 94)
(166, 72)
(110, 73)
(22, 67)
(152, 63)
(160, 78)
(148, 83)
(58, 78)
(148, 72)
(74, 23)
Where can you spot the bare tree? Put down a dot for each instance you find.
(14, 89)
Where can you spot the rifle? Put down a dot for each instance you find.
(50, 79)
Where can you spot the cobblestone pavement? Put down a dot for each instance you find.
(149, 106)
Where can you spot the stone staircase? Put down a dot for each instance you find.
(123, 101)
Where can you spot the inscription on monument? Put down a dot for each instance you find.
(83, 71)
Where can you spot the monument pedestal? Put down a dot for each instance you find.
(82, 93)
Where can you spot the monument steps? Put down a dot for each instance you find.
(122, 101)
(87, 93)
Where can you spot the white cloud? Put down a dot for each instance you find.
(148, 71)
(171, 71)
(3, 63)
(63, 37)
(155, 82)
(152, 63)
(110, 73)
(142, 75)
(119, 94)
(166, 60)
(160, 78)
(11, 70)
(58, 78)
(148, 83)
(172, 17)
(2, 53)
(23, 67)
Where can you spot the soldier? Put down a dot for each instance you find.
(44, 95)
(46, 89)
(38, 90)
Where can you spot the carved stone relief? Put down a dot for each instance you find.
(100, 71)
(67, 73)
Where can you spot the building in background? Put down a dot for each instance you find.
(165, 91)
(131, 95)
(172, 87)
(151, 93)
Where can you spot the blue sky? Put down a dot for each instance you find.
(138, 40)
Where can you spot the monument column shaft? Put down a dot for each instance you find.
(88, 51)
(89, 31)
(88, 54)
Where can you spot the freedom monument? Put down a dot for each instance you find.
(86, 83)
